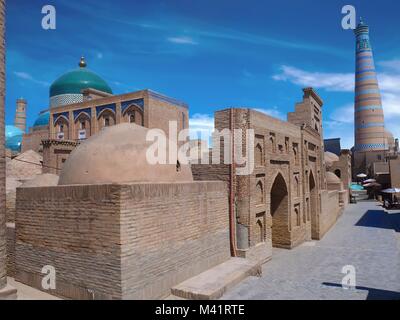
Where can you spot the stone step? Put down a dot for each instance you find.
(8, 293)
(213, 283)
(360, 194)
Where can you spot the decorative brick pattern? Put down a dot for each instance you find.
(65, 99)
(289, 173)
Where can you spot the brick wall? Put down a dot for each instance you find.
(395, 172)
(74, 229)
(3, 272)
(10, 249)
(330, 211)
(174, 232)
(120, 241)
(159, 113)
(292, 152)
(10, 206)
(291, 225)
(343, 169)
(55, 153)
(33, 140)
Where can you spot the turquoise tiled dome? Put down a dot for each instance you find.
(14, 143)
(13, 138)
(42, 120)
(12, 131)
(75, 81)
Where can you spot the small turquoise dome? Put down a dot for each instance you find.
(12, 131)
(14, 143)
(75, 81)
(13, 138)
(43, 119)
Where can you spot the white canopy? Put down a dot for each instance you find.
(391, 190)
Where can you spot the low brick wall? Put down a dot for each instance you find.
(75, 229)
(179, 230)
(330, 211)
(10, 206)
(131, 241)
(10, 249)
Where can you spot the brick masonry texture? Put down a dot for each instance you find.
(33, 139)
(330, 211)
(10, 249)
(131, 241)
(395, 172)
(3, 272)
(285, 200)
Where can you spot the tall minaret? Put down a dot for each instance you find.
(20, 114)
(369, 123)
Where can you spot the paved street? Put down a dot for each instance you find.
(365, 236)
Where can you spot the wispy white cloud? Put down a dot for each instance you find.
(328, 81)
(247, 73)
(390, 65)
(341, 82)
(341, 120)
(391, 107)
(171, 22)
(343, 114)
(273, 112)
(389, 82)
(23, 75)
(391, 103)
(344, 131)
(124, 87)
(264, 40)
(26, 76)
(341, 124)
(182, 40)
(201, 126)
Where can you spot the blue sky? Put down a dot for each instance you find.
(210, 54)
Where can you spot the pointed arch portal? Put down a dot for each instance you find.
(280, 212)
(313, 204)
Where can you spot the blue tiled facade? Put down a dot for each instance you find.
(87, 111)
(111, 107)
(126, 104)
(372, 146)
(62, 114)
